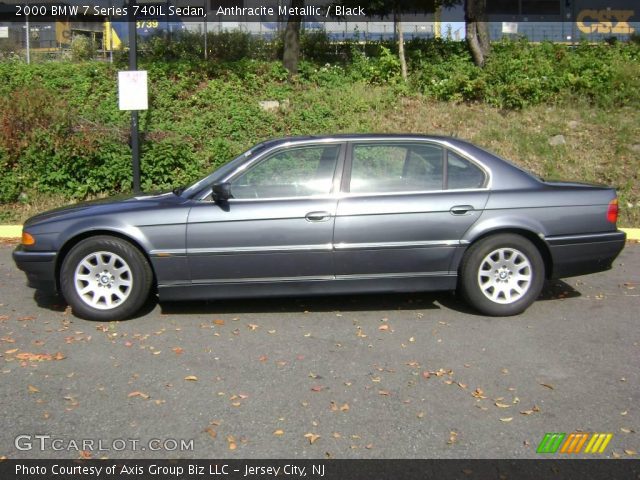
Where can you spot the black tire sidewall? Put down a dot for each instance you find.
(469, 274)
(140, 272)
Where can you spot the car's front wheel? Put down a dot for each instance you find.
(105, 278)
(502, 275)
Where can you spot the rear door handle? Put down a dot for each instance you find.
(461, 209)
(317, 216)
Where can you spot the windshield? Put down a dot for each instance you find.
(222, 172)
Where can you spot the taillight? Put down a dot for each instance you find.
(612, 211)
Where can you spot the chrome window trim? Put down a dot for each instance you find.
(346, 141)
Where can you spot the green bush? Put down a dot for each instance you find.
(82, 48)
(61, 130)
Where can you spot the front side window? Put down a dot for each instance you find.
(397, 167)
(293, 172)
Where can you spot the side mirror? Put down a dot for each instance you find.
(221, 192)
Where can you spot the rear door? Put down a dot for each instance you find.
(279, 224)
(405, 206)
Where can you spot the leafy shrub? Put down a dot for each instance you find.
(82, 48)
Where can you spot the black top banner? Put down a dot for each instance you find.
(316, 11)
(321, 469)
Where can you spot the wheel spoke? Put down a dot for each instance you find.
(103, 280)
(504, 275)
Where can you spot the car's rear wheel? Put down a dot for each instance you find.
(502, 275)
(105, 278)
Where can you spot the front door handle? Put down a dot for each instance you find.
(461, 209)
(318, 216)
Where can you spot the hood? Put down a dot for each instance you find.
(103, 205)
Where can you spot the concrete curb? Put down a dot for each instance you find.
(15, 231)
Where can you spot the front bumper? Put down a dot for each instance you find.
(40, 267)
(574, 255)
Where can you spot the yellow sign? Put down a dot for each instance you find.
(605, 21)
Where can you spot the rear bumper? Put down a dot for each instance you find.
(583, 254)
(39, 266)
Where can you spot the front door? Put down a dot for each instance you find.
(278, 225)
(405, 208)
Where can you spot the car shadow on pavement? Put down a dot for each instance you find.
(553, 290)
(556, 290)
(329, 303)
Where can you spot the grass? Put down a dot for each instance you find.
(599, 142)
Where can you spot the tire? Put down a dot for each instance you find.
(502, 275)
(105, 278)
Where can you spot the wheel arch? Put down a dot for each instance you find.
(74, 240)
(530, 235)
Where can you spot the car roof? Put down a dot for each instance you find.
(361, 136)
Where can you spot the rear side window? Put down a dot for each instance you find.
(461, 173)
(397, 167)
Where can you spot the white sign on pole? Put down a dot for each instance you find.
(4, 32)
(509, 27)
(132, 90)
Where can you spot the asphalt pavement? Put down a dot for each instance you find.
(384, 376)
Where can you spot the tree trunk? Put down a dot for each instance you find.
(400, 34)
(291, 54)
(477, 31)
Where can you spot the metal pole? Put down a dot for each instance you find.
(133, 65)
(28, 34)
(206, 17)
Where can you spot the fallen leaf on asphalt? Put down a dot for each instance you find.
(344, 407)
(9, 352)
(383, 328)
(218, 321)
(252, 326)
(507, 419)
(626, 430)
(263, 358)
(312, 437)
(84, 454)
(232, 442)
(40, 357)
(502, 405)
(279, 432)
(426, 375)
(191, 378)
(32, 389)
(420, 415)
(177, 350)
(138, 394)
(478, 393)
(546, 385)
(453, 438)
(629, 451)
(384, 392)
(317, 388)
(212, 433)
